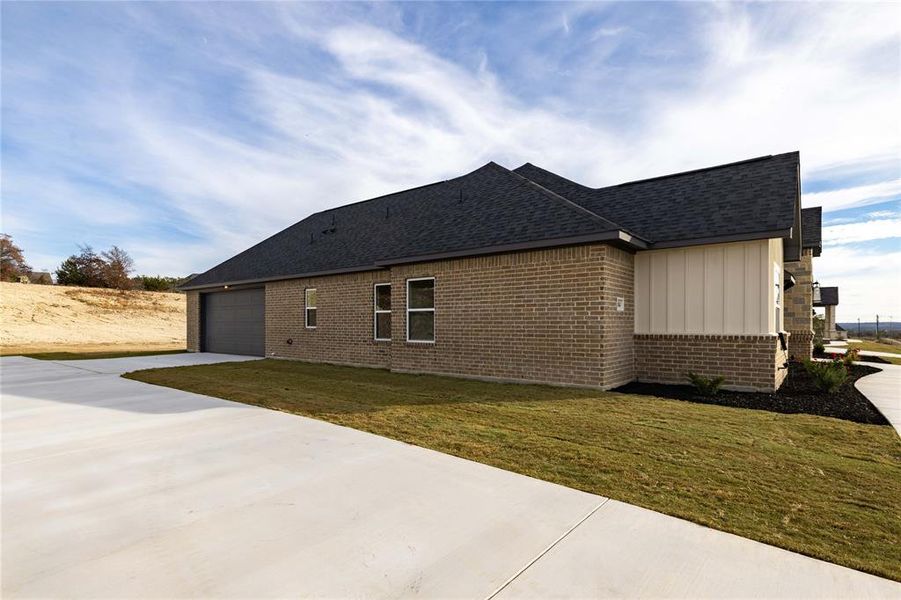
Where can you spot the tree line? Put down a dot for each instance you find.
(108, 269)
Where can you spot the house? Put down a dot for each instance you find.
(827, 298)
(40, 277)
(523, 275)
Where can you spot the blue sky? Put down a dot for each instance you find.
(185, 132)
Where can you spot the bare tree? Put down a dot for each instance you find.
(12, 261)
(117, 268)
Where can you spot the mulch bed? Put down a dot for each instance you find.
(798, 394)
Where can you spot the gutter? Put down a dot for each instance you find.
(617, 237)
(245, 282)
(723, 239)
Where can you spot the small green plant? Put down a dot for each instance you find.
(707, 386)
(827, 376)
(819, 347)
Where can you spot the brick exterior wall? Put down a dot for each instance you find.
(748, 362)
(540, 315)
(798, 306)
(545, 316)
(344, 313)
(192, 300)
(617, 342)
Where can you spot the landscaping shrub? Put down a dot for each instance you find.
(827, 376)
(706, 386)
(850, 356)
(819, 347)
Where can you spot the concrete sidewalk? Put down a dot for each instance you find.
(883, 390)
(113, 487)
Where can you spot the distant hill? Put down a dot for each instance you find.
(869, 328)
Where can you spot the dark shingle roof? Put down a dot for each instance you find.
(812, 229)
(494, 209)
(748, 197)
(828, 297)
(492, 206)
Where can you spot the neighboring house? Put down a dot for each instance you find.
(40, 277)
(526, 276)
(799, 298)
(827, 298)
(840, 332)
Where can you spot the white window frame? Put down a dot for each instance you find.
(378, 311)
(307, 308)
(431, 310)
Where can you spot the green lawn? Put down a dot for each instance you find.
(879, 347)
(90, 355)
(824, 487)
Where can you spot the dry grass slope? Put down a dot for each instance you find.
(40, 318)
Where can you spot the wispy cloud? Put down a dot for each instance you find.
(863, 231)
(229, 122)
(860, 195)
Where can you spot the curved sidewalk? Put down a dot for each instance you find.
(883, 389)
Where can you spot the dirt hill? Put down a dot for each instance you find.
(38, 318)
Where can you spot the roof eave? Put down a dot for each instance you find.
(616, 237)
(220, 284)
(723, 239)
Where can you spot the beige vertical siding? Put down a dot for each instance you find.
(714, 289)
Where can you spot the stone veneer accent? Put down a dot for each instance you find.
(748, 362)
(192, 301)
(798, 306)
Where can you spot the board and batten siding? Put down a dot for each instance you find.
(713, 289)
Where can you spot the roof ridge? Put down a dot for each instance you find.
(700, 170)
(404, 191)
(667, 176)
(523, 180)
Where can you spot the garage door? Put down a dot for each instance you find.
(234, 322)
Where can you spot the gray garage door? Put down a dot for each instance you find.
(233, 322)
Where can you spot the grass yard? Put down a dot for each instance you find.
(90, 355)
(816, 485)
(879, 347)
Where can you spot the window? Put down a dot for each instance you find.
(777, 295)
(421, 310)
(309, 318)
(382, 320)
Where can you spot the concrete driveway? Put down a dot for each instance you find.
(113, 487)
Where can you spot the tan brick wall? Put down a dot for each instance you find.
(617, 354)
(530, 316)
(545, 315)
(798, 306)
(192, 300)
(748, 362)
(344, 330)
